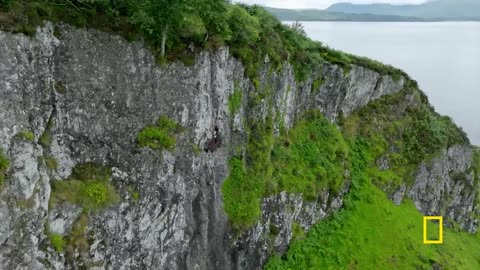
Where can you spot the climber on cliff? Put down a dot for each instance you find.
(215, 142)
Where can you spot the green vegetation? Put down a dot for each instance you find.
(161, 135)
(134, 193)
(297, 231)
(169, 27)
(57, 241)
(59, 87)
(402, 139)
(52, 164)
(47, 137)
(26, 135)
(235, 101)
(312, 157)
(401, 131)
(4, 164)
(350, 240)
(89, 186)
(77, 238)
(242, 194)
(317, 83)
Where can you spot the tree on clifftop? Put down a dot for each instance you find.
(158, 17)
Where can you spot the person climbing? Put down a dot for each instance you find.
(215, 142)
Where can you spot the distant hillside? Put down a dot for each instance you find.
(322, 15)
(439, 9)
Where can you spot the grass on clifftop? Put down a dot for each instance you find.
(370, 232)
(254, 35)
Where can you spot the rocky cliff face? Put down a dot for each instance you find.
(92, 93)
(445, 186)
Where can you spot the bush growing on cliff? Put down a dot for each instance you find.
(89, 186)
(235, 101)
(159, 136)
(57, 241)
(4, 164)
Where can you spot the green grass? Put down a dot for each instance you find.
(26, 135)
(160, 136)
(4, 164)
(317, 83)
(89, 186)
(57, 241)
(370, 232)
(235, 101)
(313, 156)
(51, 163)
(77, 238)
(46, 138)
(242, 194)
(404, 139)
(297, 231)
(375, 234)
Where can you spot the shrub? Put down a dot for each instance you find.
(6, 4)
(77, 238)
(57, 240)
(235, 101)
(51, 163)
(88, 186)
(26, 135)
(159, 136)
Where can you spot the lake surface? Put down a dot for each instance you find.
(443, 57)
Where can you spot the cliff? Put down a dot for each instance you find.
(85, 95)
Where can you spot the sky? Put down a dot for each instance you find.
(321, 4)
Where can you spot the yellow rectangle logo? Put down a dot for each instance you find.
(440, 229)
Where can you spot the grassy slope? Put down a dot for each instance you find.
(379, 235)
(370, 232)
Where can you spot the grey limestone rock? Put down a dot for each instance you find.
(97, 91)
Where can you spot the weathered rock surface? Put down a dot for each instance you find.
(97, 91)
(445, 186)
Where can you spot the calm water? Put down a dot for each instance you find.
(443, 57)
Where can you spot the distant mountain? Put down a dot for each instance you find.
(322, 15)
(439, 9)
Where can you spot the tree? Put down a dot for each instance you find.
(245, 28)
(214, 14)
(158, 17)
(6, 4)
